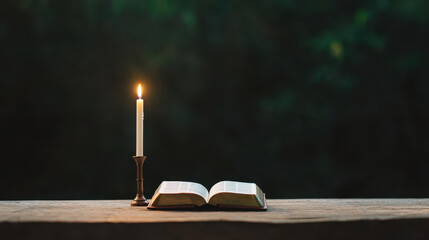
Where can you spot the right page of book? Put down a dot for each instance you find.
(233, 187)
(237, 188)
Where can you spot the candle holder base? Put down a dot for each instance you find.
(139, 200)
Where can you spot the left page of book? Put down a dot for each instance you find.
(175, 193)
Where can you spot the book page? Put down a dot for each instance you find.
(233, 187)
(175, 187)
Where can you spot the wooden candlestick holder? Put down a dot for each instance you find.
(139, 200)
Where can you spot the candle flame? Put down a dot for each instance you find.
(139, 91)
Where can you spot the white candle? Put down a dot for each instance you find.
(139, 123)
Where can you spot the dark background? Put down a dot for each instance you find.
(305, 98)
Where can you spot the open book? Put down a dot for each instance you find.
(225, 194)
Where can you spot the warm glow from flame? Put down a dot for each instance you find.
(139, 91)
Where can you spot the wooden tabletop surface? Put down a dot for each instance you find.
(279, 211)
(285, 219)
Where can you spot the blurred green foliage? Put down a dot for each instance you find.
(316, 98)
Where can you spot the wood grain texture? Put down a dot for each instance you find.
(303, 218)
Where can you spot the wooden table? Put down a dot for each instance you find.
(285, 219)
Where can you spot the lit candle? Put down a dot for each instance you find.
(139, 123)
